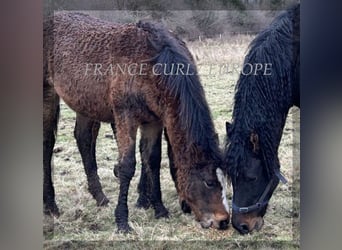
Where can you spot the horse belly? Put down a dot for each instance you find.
(87, 99)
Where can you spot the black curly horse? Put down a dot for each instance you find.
(261, 105)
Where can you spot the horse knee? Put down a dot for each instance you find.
(127, 169)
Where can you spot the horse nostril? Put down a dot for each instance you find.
(185, 207)
(244, 228)
(223, 224)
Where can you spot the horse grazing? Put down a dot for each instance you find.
(85, 133)
(261, 105)
(155, 85)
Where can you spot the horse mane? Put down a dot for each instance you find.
(261, 102)
(193, 111)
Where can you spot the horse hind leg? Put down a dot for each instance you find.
(86, 131)
(150, 149)
(50, 122)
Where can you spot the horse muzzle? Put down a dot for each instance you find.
(248, 225)
(220, 223)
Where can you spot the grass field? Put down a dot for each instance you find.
(84, 225)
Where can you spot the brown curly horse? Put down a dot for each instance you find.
(139, 75)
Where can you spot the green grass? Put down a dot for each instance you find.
(84, 225)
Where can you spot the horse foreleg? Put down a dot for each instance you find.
(144, 186)
(50, 120)
(86, 131)
(126, 129)
(151, 157)
(116, 167)
(173, 170)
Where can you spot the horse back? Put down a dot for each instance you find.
(90, 64)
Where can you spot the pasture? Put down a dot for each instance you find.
(84, 225)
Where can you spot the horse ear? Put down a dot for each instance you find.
(228, 127)
(255, 141)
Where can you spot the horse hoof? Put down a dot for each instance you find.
(52, 211)
(162, 213)
(143, 203)
(185, 207)
(124, 228)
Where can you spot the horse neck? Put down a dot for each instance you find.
(186, 151)
(187, 154)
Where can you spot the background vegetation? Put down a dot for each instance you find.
(189, 18)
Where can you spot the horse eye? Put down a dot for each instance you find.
(209, 184)
(252, 179)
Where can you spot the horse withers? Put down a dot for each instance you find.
(92, 65)
(261, 105)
